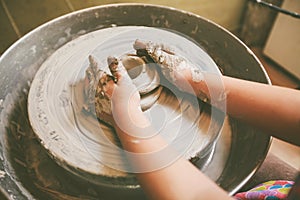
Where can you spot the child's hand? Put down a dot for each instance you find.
(175, 68)
(116, 96)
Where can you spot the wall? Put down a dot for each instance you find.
(226, 13)
(17, 17)
(283, 44)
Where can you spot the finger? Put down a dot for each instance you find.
(93, 62)
(145, 48)
(113, 65)
(105, 86)
(142, 47)
(139, 44)
(117, 70)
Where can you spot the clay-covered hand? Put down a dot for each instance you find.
(175, 68)
(113, 94)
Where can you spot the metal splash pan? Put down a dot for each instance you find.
(29, 171)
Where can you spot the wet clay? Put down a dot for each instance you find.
(78, 141)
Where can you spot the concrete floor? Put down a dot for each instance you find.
(17, 18)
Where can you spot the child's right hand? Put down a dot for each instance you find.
(175, 68)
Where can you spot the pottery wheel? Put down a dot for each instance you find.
(82, 144)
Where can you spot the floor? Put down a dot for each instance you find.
(17, 19)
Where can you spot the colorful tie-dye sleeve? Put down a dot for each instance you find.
(274, 190)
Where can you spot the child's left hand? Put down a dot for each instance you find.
(116, 96)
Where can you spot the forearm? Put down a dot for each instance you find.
(273, 109)
(177, 179)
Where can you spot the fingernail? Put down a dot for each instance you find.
(138, 44)
(112, 60)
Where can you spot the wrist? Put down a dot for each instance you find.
(129, 117)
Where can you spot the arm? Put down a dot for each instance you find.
(273, 109)
(177, 180)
